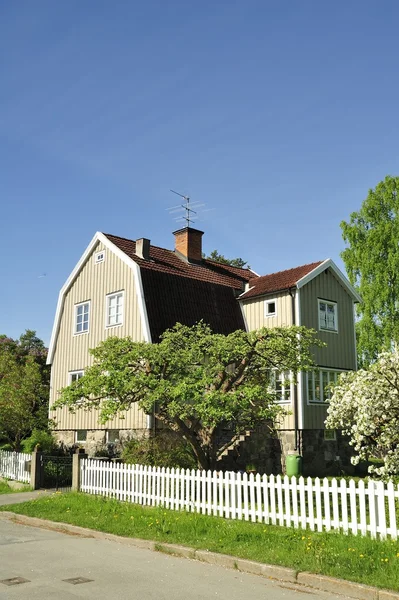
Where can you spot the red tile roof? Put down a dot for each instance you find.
(167, 261)
(275, 282)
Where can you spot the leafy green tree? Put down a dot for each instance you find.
(194, 381)
(372, 263)
(233, 262)
(24, 387)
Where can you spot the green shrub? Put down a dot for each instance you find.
(167, 449)
(43, 439)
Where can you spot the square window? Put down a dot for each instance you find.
(81, 436)
(112, 436)
(328, 318)
(75, 376)
(329, 435)
(319, 384)
(82, 314)
(270, 308)
(99, 257)
(114, 310)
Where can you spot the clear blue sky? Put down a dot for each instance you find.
(279, 114)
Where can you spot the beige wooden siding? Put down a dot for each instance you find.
(254, 314)
(92, 284)
(340, 350)
(254, 311)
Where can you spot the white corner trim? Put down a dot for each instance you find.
(299, 389)
(328, 263)
(141, 301)
(98, 237)
(243, 315)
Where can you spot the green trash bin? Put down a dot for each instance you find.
(293, 464)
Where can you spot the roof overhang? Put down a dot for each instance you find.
(330, 264)
(98, 237)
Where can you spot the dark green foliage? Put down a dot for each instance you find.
(372, 263)
(42, 439)
(233, 262)
(167, 449)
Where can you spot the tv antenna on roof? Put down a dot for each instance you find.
(186, 207)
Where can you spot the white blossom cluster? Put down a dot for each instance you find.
(365, 406)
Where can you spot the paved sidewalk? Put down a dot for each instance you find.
(19, 497)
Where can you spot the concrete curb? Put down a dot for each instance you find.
(286, 575)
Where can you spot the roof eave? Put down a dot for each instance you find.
(329, 263)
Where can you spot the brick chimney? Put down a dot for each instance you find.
(143, 248)
(188, 244)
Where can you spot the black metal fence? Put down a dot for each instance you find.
(56, 472)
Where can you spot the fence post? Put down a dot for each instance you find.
(36, 468)
(76, 458)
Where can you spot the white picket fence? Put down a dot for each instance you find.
(315, 504)
(13, 465)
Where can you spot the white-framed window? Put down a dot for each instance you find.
(75, 376)
(330, 435)
(328, 315)
(99, 257)
(112, 436)
(114, 309)
(319, 384)
(280, 384)
(82, 317)
(271, 308)
(81, 436)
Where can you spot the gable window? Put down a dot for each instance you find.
(280, 384)
(270, 308)
(99, 257)
(319, 384)
(114, 310)
(328, 317)
(82, 314)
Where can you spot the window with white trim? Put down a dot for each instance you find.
(270, 308)
(280, 384)
(328, 316)
(75, 376)
(114, 314)
(81, 436)
(112, 436)
(319, 384)
(82, 316)
(330, 435)
(99, 257)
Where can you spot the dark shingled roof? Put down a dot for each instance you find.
(179, 292)
(276, 282)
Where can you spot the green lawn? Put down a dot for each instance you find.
(5, 488)
(348, 557)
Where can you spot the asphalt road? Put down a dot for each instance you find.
(46, 560)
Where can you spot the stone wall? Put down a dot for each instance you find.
(267, 451)
(96, 442)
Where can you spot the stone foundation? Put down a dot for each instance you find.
(96, 441)
(267, 451)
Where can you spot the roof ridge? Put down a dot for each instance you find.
(317, 262)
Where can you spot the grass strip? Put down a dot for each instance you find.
(354, 558)
(6, 489)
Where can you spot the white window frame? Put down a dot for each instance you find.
(75, 318)
(328, 303)
(72, 373)
(77, 441)
(285, 380)
(108, 441)
(267, 303)
(318, 375)
(107, 302)
(99, 257)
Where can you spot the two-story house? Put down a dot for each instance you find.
(131, 288)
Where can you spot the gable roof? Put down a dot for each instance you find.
(296, 277)
(276, 282)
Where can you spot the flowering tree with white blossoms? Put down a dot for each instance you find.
(365, 406)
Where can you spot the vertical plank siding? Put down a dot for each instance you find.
(317, 505)
(92, 284)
